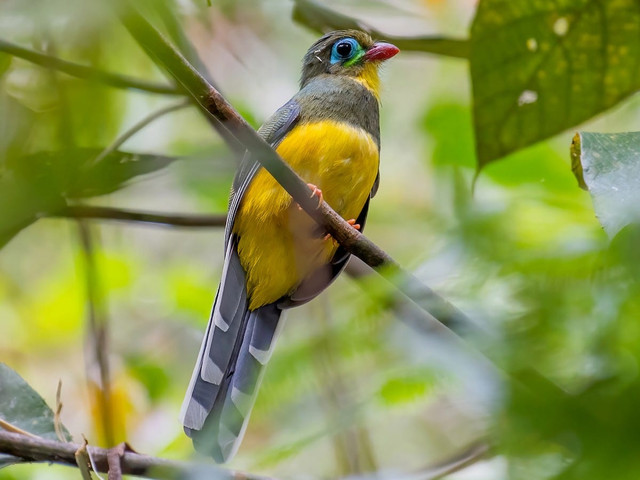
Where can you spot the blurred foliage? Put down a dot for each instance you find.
(349, 387)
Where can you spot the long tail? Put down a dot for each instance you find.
(230, 366)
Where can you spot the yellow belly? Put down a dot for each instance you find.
(279, 245)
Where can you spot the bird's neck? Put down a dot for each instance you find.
(370, 79)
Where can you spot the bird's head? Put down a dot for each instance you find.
(350, 53)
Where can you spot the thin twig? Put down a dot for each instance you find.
(43, 450)
(173, 220)
(353, 451)
(153, 116)
(213, 102)
(114, 459)
(457, 462)
(98, 334)
(86, 73)
(171, 20)
(83, 461)
(9, 427)
(317, 17)
(92, 462)
(454, 464)
(57, 421)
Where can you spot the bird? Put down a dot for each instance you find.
(275, 256)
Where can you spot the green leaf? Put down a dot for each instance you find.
(450, 126)
(5, 63)
(22, 407)
(112, 172)
(609, 165)
(540, 67)
(406, 389)
(22, 200)
(41, 183)
(153, 377)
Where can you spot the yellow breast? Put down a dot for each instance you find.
(279, 245)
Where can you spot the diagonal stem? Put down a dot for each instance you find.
(84, 72)
(153, 116)
(98, 335)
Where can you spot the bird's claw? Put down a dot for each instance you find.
(351, 222)
(315, 192)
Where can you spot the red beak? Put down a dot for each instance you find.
(381, 51)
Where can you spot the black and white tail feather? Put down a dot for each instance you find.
(225, 381)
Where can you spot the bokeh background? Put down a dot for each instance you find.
(350, 388)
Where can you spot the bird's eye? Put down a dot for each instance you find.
(344, 49)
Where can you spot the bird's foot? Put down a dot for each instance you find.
(315, 192)
(351, 222)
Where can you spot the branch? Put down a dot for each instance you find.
(117, 81)
(171, 21)
(209, 99)
(455, 464)
(153, 116)
(36, 449)
(86, 73)
(97, 335)
(322, 19)
(108, 213)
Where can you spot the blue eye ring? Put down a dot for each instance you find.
(344, 49)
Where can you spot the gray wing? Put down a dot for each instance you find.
(273, 131)
(237, 342)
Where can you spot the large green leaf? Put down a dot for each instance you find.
(40, 184)
(608, 165)
(539, 67)
(74, 172)
(22, 407)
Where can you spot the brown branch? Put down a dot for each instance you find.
(108, 213)
(322, 19)
(97, 333)
(36, 449)
(114, 460)
(86, 73)
(165, 55)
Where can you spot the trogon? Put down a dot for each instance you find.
(276, 256)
